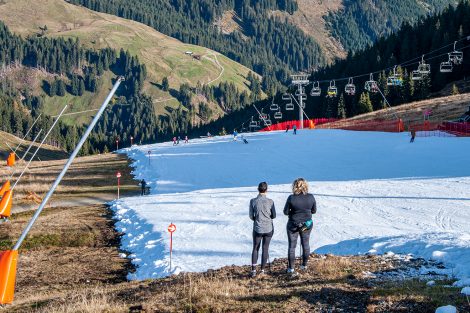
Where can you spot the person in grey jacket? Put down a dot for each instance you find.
(262, 212)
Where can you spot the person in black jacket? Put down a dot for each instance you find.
(299, 207)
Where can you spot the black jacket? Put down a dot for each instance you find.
(300, 208)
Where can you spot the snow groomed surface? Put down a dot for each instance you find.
(376, 193)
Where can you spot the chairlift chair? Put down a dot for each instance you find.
(350, 88)
(263, 116)
(416, 75)
(253, 123)
(423, 67)
(278, 114)
(300, 93)
(274, 107)
(371, 85)
(290, 106)
(455, 56)
(267, 122)
(304, 97)
(316, 91)
(395, 79)
(286, 96)
(332, 90)
(446, 66)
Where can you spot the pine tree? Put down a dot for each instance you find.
(60, 88)
(165, 84)
(364, 104)
(341, 107)
(81, 87)
(455, 90)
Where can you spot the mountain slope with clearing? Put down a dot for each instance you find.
(164, 56)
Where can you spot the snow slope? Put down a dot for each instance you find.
(375, 191)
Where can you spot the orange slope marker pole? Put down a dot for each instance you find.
(27, 151)
(8, 259)
(6, 202)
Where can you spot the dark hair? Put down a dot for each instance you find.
(262, 187)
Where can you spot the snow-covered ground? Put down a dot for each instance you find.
(376, 193)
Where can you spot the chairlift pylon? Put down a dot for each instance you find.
(316, 91)
(350, 88)
(332, 90)
(455, 56)
(446, 66)
(371, 84)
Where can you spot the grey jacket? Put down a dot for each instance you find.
(262, 212)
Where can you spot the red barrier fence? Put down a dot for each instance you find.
(313, 123)
(457, 129)
(429, 128)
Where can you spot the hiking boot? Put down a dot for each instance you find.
(303, 268)
(291, 272)
(253, 273)
(262, 272)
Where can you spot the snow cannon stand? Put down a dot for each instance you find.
(11, 159)
(6, 186)
(5, 205)
(8, 261)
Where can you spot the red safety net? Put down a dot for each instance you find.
(457, 129)
(313, 123)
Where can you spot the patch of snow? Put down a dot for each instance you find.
(465, 291)
(446, 309)
(376, 193)
(431, 283)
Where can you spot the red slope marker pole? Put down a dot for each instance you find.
(171, 230)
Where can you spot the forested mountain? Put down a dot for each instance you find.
(359, 23)
(75, 70)
(432, 37)
(267, 44)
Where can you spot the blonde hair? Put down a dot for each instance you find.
(300, 186)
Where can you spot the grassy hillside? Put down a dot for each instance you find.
(163, 56)
(47, 152)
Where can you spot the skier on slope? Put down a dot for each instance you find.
(186, 140)
(235, 134)
(262, 212)
(295, 129)
(143, 185)
(299, 207)
(287, 128)
(413, 135)
(174, 141)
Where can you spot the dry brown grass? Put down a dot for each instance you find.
(90, 179)
(443, 108)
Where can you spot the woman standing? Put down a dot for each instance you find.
(262, 213)
(299, 207)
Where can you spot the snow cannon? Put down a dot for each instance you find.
(311, 124)
(8, 261)
(5, 187)
(5, 204)
(11, 159)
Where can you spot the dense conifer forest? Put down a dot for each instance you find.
(361, 22)
(432, 37)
